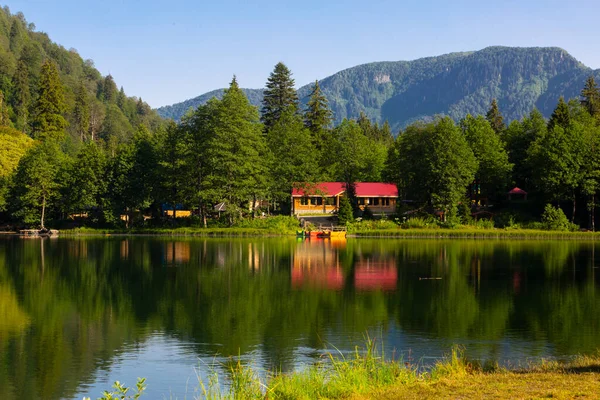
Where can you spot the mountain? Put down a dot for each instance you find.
(113, 116)
(453, 84)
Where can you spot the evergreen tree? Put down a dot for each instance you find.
(21, 95)
(48, 122)
(560, 116)
(495, 118)
(591, 97)
(199, 132)
(318, 117)
(293, 155)
(172, 159)
(279, 95)
(81, 112)
(237, 153)
(121, 98)
(16, 37)
(109, 89)
(345, 212)
(4, 118)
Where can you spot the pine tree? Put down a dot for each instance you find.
(109, 89)
(237, 152)
(48, 122)
(495, 118)
(21, 96)
(318, 116)
(560, 116)
(4, 118)
(121, 98)
(81, 112)
(279, 95)
(591, 97)
(16, 37)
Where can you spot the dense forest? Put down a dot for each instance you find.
(75, 150)
(454, 84)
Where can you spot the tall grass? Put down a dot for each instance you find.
(367, 372)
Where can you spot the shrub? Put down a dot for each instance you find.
(484, 224)
(554, 219)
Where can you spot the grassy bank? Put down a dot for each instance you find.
(272, 226)
(369, 376)
(472, 233)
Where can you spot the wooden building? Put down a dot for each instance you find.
(324, 197)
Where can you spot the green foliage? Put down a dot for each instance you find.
(554, 219)
(345, 214)
(237, 152)
(293, 155)
(591, 97)
(279, 96)
(560, 116)
(35, 184)
(122, 392)
(318, 117)
(437, 164)
(495, 119)
(48, 121)
(81, 112)
(86, 184)
(493, 172)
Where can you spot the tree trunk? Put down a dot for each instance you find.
(43, 210)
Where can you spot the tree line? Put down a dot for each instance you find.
(226, 151)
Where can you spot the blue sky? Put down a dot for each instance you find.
(169, 51)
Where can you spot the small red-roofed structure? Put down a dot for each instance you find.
(518, 192)
(324, 197)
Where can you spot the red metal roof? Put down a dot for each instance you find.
(363, 189)
(319, 189)
(376, 189)
(517, 190)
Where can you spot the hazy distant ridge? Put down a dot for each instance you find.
(453, 84)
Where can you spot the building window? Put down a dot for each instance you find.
(385, 202)
(304, 201)
(316, 201)
(361, 201)
(375, 201)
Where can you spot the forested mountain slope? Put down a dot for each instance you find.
(453, 84)
(94, 107)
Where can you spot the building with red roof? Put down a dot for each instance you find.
(324, 197)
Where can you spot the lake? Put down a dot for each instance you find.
(78, 314)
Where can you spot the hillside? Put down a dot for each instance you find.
(111, 115)
(453, 84)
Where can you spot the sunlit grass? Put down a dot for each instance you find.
(367, 374)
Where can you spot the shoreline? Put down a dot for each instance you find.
(414, 233)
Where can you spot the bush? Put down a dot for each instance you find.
(419, 223)
(484, 224)
(554, 219)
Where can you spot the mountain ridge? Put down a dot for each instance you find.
(453, 84)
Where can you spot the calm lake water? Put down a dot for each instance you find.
(78, 314)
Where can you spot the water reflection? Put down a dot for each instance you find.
(72, 308)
